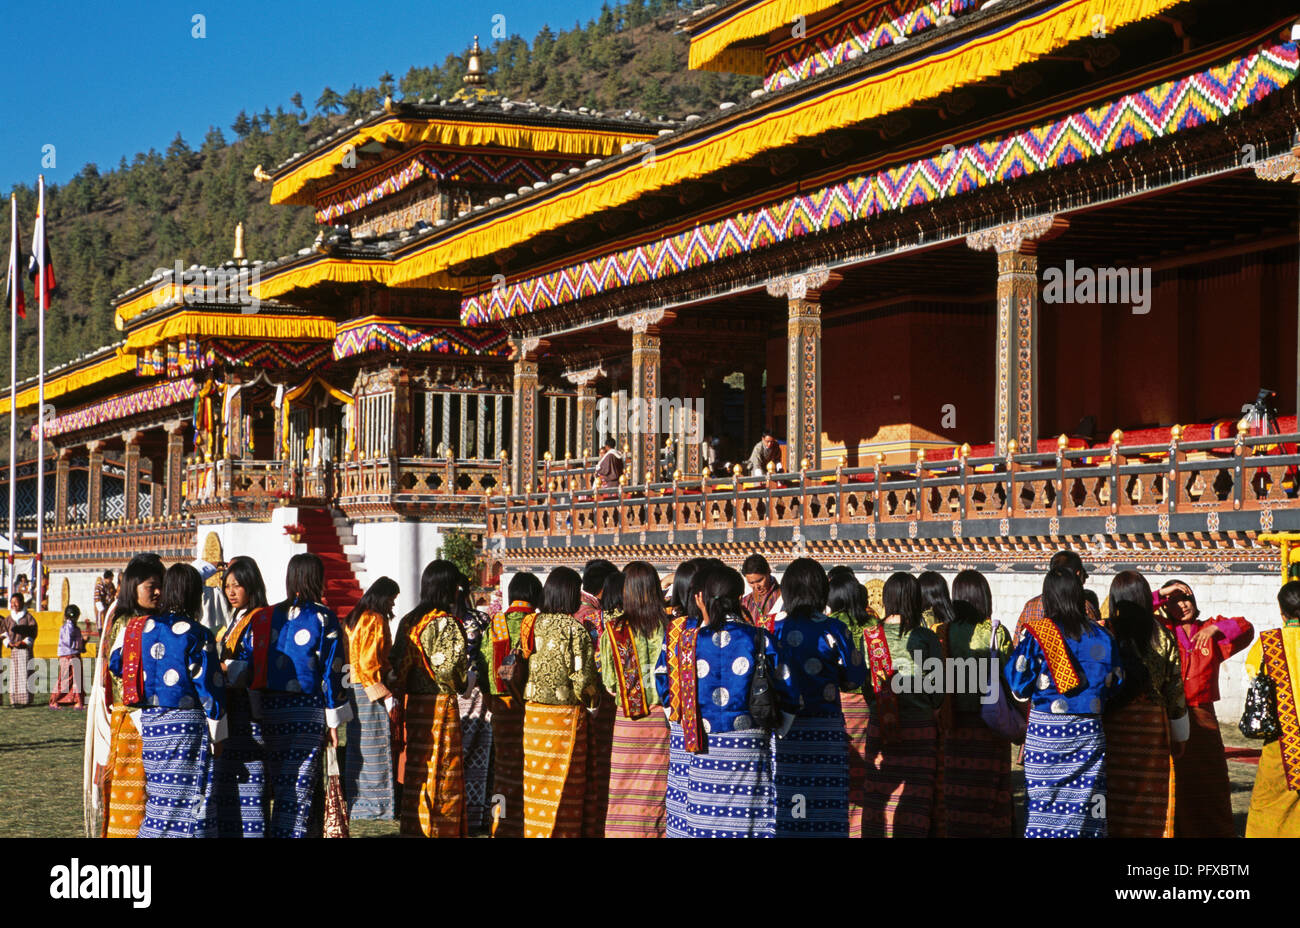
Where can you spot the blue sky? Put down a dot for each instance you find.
(99, 81)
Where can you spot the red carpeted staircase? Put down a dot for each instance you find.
(342, 591)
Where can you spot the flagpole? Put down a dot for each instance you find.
(44, 296)
(14, 284)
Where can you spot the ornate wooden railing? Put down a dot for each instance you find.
(1080, 491)
(115, 543)
(419, 486)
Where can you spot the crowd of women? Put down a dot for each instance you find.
(608, 703)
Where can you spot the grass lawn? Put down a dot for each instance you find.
(40, 774)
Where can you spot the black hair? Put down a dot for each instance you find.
(246, 573)
(804, 586)
(643, 604)
(972, 600)
(108, 575)
(1068, 560)
(609, 443)
(756, 564)
(73, 612)
(1133, 621)
(707, 564)
(1063, 602)
(847, 595)
(902, 597)
(1288, 599)
(304, 580)
(934, 595)
(594, 574)
(722, 587)
(140, 568)
(525, 586)
(376, 599)
(768, 433)
(182, 592)
(562, 592)
(611, 596)
(680, 600)
(1196, 609)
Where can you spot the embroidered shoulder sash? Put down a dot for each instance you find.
(627, 665)
(1064, 670)
(1275, 665)
(501, 637)
(882, 670)
(256, 623)
(416, 631)
(132, 661)
(683, 686)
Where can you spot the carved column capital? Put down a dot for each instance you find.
(1015, 237)
(585, 378)
(805, 286)
(1280, 167)
(642, 322)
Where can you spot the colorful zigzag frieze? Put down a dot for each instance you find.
(1154, 112)
(279, 354)
(146, 399)
(470, 167)
(883, 24)
(391, 336)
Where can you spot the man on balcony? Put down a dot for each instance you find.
(610, 467)
(767, 450)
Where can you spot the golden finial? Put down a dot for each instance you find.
(503, 455)
(1243, 427)
(737, 470)
(239, 242)
(1117, 437)
(1176, 433)
(803, 463)
(388, 105)
(1062, 442)
(880, 459)
(677, 475)
(622, 480)
(528, 488)
(573, 483)
(1012, 446)
(546, 456)
(451, 454)
(965, 450)
(920, 455)
(505, 490)
(474, 74)
(260, 176)
(771, 467)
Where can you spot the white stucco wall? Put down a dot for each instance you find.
(399, 550)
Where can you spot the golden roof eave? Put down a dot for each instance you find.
(120, 362)
(718, 41)
(206, 324)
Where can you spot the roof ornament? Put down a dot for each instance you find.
(260, 175)
(239, 243)
(474, 76)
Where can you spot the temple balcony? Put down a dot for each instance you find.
(114, 543)
(1157, 491)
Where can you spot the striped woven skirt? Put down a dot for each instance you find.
(555, 770)
(856, 717)
(68, 691)
(726, 792)
(178, 775)
(1137, 772)
(124, 778)
(507, 767)
(433, 790)
(1065, 776)
(368, 760)
(898, 798)
(811, 773)
(239, 774)
(599, 755)
(293, 726)
(977, 780)
(638, 776)
(20, 662)
(1202, 791)
(476, 745)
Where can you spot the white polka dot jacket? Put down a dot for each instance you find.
(179, 668)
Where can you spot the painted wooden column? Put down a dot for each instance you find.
(131, 483)
(175, 469)
(523, 416)
(480, 427)
(62, 473)
(803, 382)
(234, 418)
(1016, 400)
(95, 482)
(646, 373)
(585, 434)
(499, 437)
(403, 445)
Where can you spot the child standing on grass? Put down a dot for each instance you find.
(72, 644)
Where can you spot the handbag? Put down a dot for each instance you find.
(513, 673)
(763, 708)
(1001, 714)
(1259, 718)
(336, 808)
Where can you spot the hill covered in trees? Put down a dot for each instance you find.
(110, 229)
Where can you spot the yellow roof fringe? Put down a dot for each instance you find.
(413, 130)
(873, 95)
(155, 296)
(253, 325)
(60, 385)
(711, 50)
(275, 283)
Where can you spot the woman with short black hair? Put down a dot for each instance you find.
(902, 737)
(936, 603)
(299, 671)
(431, 668)
(1068, 666)
(368, 782)
(847, 603)
(629, 648)
(243, 801)
(563, 686)
(172, 676)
